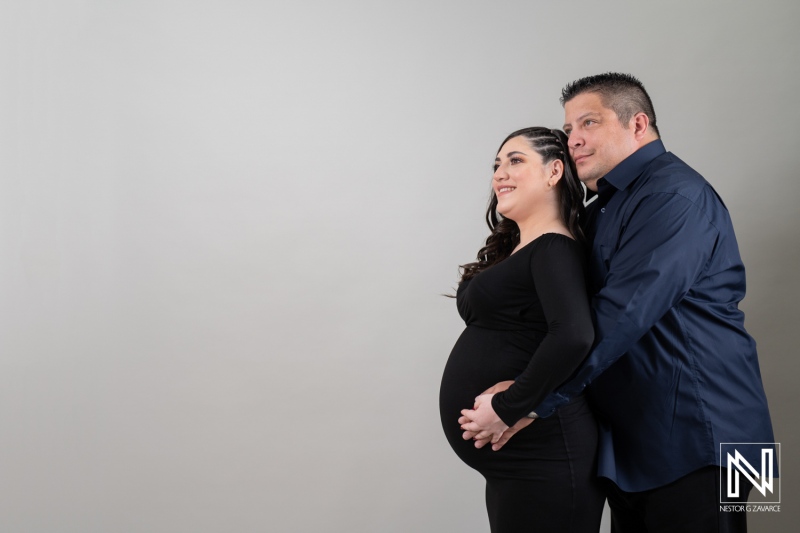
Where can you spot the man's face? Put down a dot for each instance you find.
(598, 142)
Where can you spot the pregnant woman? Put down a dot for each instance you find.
(525, 305)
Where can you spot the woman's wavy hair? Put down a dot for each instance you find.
(550, 145)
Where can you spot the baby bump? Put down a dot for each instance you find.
(480, 358)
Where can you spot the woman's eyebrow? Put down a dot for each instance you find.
(509, 154)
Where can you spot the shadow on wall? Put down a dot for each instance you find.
(770, 307)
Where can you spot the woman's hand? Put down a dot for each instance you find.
(481, 422)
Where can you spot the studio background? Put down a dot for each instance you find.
(225, 230)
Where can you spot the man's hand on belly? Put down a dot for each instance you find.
(507, 434)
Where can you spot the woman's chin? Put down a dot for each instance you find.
(507, 214)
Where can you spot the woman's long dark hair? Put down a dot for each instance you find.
(550, 145)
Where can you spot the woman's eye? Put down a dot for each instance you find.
(515, 160)
(495, 167)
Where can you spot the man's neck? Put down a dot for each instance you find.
(650, 137)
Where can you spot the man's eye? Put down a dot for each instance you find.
(567, 132)
(589, 121)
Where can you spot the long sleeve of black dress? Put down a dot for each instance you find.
(558, 268)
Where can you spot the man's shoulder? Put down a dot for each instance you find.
(667, 173)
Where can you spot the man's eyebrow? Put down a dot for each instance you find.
(588, 113)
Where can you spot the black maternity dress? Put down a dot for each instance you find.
(528, 319)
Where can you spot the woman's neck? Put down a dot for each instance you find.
(534, 228)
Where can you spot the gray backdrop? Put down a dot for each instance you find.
(226, 227)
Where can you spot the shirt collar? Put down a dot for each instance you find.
(632, 166)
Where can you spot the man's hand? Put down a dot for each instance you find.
(507, 434)
(499, 387)
(482, 420)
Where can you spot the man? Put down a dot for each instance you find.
(673, 373)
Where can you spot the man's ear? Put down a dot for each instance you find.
(640, 122)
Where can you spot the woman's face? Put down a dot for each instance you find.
(521, 179)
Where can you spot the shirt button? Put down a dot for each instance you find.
(602, 209)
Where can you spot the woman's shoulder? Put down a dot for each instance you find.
(555, 239)
(557, 244)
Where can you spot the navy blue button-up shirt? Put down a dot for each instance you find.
(673, 372)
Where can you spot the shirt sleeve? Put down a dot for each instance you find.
(558, 270)
(664, 248)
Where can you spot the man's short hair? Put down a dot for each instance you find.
(623, 93)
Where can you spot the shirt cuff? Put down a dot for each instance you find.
(550, 404)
